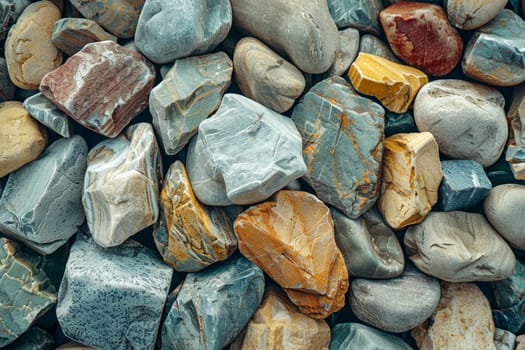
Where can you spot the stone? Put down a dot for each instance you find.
(348, 50)
(7, 88)
(397, 304)
(504, 340)
(270, 157)
(189, 28)
(516, 141)
(74, 346)
(421, 36)
(504, 207)
(112, 298)
(411, 177)
(373, 45)
(286, 25)
(520, 342)
(458, 246)
(369, 247)
(467, 119)
(266, 77)
(41, 203)
(500, 173)
(461, 321)
(464, 184)
(10, 10)
(393, 84)
(495, 54)
(359, 336)
(342, 145)
(190, 92)
(396, 123)
(228, 291)
(29, 52)
(71, 34)
(360, 14)
(47, 113)
(291, 238)
(26, 292)
(34, 339)
(104, 103)
(470, 15)
(510, 318)
(511, 290)
(121, 186)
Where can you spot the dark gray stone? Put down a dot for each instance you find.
(7, 88)
(360, 14)
(399, 123)
(9, 12)
(511, 290)
(373, 45)
(511, 318)
(348, 336)
(504, 340)
(47, 113)
(34, 339)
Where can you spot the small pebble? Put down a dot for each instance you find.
(348, 50)
(504, 340)
(515, 154)
(347, 336)
(363, 15)
(71, 34)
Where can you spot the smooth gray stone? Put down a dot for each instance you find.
(34, 339)
(41, 203)
(360, 14)
(190, 92)
(369, 246)
(112, 298)
(348, 50)
(398, 304)
(168, 30)
(511, 290)
(356, 336)
(373, 45)
(342, 145)
(47, 113)
(504, 340)
(7, 88)
(213, 306)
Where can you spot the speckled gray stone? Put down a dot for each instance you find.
(41, 202)
(348, 50)
(360, 14)
(34, 339)
(504, 340)
(112, 298)
(47, 113)
(349, 336)
(373, 45)
(213, 306)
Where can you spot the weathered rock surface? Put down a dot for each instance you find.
(373, 45)
(47, 113)
(34, 339)
(470, 15)
(353, 335)
(515, 154)
(348, 50)
(360, 14)
(504, 340)
(71, 34)
(7, 88)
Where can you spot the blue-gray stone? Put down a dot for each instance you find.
(373, 45)
(47, 113)
(213, 306)
(360, 14)
(350, 336)
(399, 123)
(511, 318)
(34, 339)
(342, 145)
(511, 290)
(7, 88)
(41, 203)
(112, 298)
(504, 340)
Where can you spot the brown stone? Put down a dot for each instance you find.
(292, 239)
(70, 35)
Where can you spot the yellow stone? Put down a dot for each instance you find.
(394, 84)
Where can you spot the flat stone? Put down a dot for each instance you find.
(470, 15)
(104, 103)
(360, 14)
(190, 92)
(395, 85)
(511, 290)
(112, 298)
(370, 248)
(504, 340)
(467, 119)
(34, 339)
(396, 123)
(411, 178)
(71, 34)
(29, 52)
(74, 346)
(10, 10)
(266, 77)
(373, 45)
(459, 247)
(228, 291)
(348, 50)
(342, 136)
(516, 143)
(7, 88)
(121, 187)
(189, 27)
(21, 138)
(510, 318)
(286, 25)
(354, 335)
(305, 262)
(421, 36)
(47, 113)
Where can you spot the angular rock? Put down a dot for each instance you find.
(467, 119)
(399, 123)
(373, 45)
(515, 154)
(34, 339)
(102, 87)
(511, 290)
(121, 187)
(342, 145)
(358, 336)
(360, 14)
(213, 306)
(74, 346)
(7, 88)
(9, 12)
(189, 27)
(348, 50)
(504, 340)
(190, 92)
(47, 113)
(395, 85)
(411, 177)
(292, 239)
(470, 15)
(70, 35)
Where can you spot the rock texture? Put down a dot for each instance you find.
(34, 339)
(504, 340)
(348, 50)
(10, 10)
(373, 45)
(47, 113)
(7, 88)
(360, 14)
(515, 154)
(470, 15)
(399, 123)
(510, 291)
(358, 336)
(71, 34)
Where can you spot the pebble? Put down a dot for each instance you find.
(266, 77)
(459, 247)
(516, 146)
(189, 93)
(359, 14)
(342, 136)
(510, 291)
(213, 306)
(104, 103)
(348, 50)
(71, 34)
(346, 336)
(112, 298)
(34, 339)
(467, 119)
(399, 123)
(411, 177)
(47, 113)
(472, 14)
(393, 84)
(510, 318)
(286, 25)
(121, 186)
(520, 342)
(188, 28)
(291, 238)
(7, 88)
(373, 45)
(504, 340)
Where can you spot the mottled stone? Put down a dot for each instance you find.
(342, 145)
(411, 178)
(191, 91)
(34, 339)
(346, 336)
(399, 123)
(112, 298)
(515, 154)
(360, 14)
(286, 25)
(74, 346)
(71, 34)
(504, 340)
(395, 85)
(373, 45)
(292, 239)
(348, 50)
(511, 290)
(121, 187)
(47, 113)
(467, 119)
(102, 87)
(213, 306)
(9, 12)
(470, 15)
(7, 88)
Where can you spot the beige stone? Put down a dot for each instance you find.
(520, 342)
(74, 346)
(516, 140)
